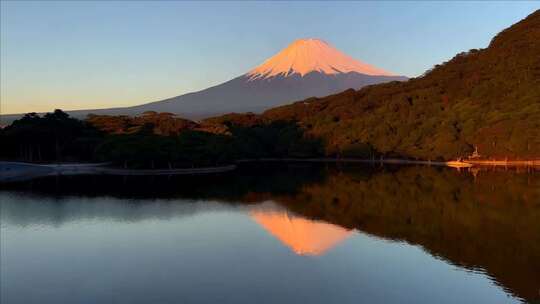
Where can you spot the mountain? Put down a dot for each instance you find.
(305, 56)
(485, 100)
(306, 68)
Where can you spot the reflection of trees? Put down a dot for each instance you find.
(492, 222)
(229, 187)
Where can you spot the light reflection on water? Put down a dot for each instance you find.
(303, 236)
(407, 236)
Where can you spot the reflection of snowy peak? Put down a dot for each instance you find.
(312, 55)
(303, 236)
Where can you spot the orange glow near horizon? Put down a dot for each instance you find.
(301, 235)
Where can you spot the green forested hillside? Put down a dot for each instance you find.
(489, 99)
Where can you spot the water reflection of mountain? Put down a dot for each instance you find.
(489, 220)
(303, 236)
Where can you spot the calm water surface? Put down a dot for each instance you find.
(275, 235)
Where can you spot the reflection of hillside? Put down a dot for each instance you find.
(492, 222)
(263, 178)
(303, 236)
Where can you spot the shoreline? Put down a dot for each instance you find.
(21, 171)
(397, 161)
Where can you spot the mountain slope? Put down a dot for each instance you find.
(243, 94)
(306, 68)
(487, 100)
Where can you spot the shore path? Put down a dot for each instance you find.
(19, 171)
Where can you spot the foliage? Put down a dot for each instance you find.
(55, 136)
(275, 139)
(152, 140)
(162, 123)
(489, 99)
(190, 148)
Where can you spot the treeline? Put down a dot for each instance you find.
(54, 136)
(151, 140)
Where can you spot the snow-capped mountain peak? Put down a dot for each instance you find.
(304, 56)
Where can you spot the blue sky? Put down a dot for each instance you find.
(76, 55)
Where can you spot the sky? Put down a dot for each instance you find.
(99, 54)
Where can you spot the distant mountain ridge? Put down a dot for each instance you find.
(306, 68)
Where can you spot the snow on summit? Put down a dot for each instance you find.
(311, 55)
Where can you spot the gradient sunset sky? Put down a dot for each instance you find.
(83, 55)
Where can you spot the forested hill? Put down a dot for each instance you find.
(487, 99)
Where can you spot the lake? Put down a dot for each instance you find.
(275, 234)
